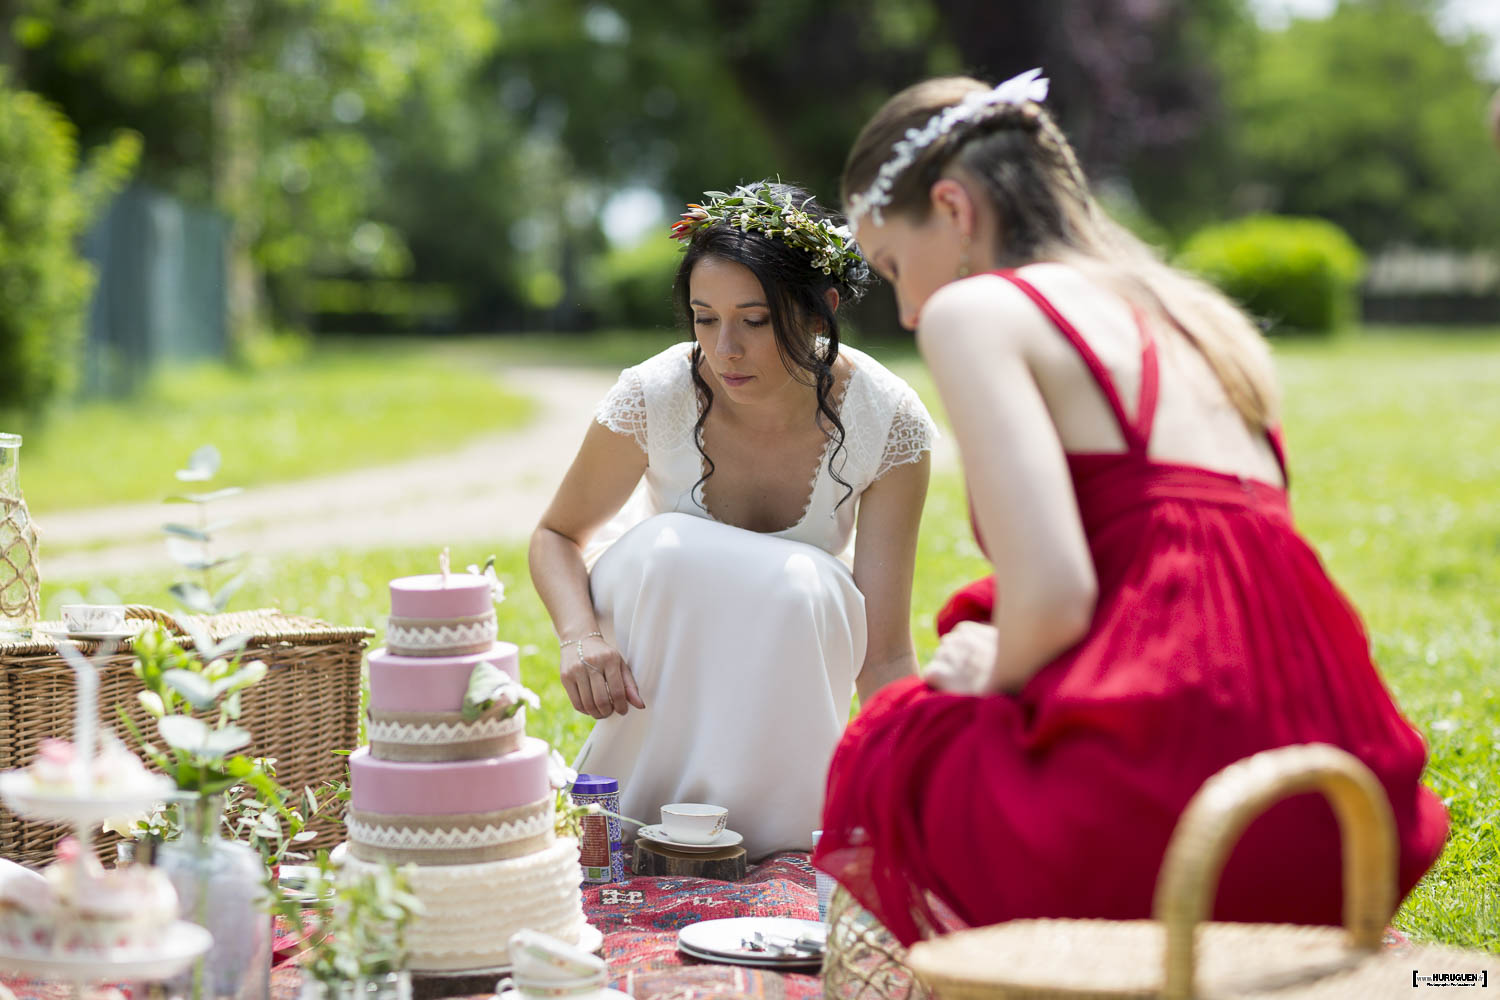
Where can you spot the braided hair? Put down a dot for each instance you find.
(1041, 198)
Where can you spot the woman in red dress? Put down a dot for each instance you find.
(1155, 614)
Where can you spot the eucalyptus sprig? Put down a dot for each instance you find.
(192, 545)
(352, 928)
(179, 686)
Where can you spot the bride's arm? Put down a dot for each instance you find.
(977, 338)
(885, 553)
(598, 483)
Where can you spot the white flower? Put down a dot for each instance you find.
(559, 774)
(497, 589)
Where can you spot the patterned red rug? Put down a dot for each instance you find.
(640, 918)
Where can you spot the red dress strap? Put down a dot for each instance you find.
(1137, 431)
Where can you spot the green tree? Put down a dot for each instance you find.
(260, 106)
(1373, 119)
(45, 202)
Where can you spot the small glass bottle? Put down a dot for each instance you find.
(20, 576)
(221, 887)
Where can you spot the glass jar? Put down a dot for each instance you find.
(221, 886)
(20, 577)
(380, 986)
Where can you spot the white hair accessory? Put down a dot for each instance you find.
(1028, 86)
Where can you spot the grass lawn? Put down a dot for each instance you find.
(1395, 474)
(348, 403)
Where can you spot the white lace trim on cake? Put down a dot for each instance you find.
(446, 732)
(405, 838)
(404, 639)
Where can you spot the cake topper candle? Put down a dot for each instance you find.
(443, 565)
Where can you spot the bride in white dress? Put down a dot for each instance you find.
(714, 609)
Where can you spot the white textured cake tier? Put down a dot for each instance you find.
(472, 910)
(463, 839)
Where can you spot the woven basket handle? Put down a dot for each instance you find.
(153, 614)
(1230, 800)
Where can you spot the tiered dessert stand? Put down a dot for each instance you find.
(86, 809)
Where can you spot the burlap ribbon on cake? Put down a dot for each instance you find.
(448, 736)
(437, 840)
(440, 636)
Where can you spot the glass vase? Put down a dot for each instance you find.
(221, 886)
(20, 575)
(381, 986)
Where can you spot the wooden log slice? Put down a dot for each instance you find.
(727, 864)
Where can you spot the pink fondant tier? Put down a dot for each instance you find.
(431, 683)
(458, 595)
(460, 786)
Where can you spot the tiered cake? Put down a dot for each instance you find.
(467, 802)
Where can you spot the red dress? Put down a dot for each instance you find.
(1217, 634)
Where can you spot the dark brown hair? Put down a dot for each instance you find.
(796, 299)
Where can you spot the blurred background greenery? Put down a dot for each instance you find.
(243, 168)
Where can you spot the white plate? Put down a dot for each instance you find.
(719, 940)
(181, 943)
(656, 834)
(605, 993)
(126, 633)
(19, 791)
(759, 961)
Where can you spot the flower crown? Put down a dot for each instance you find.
(1028, 86)
(832, 247)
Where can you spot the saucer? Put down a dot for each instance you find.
(124, 633)
(603, 993)
(657, 835)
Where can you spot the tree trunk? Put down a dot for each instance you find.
(234, 152)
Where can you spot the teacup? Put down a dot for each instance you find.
(94, 617)
(693, 822)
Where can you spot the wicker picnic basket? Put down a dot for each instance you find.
(305, 709)
(1180, 955)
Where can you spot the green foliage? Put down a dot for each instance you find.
(177, 687)
(353, 927)
(1299, 274)
(267, 109)
(1371, 118)
(635, 283)
(44, 207)
(191, 545)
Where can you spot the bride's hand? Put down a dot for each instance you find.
(965, 660)
(601, 684)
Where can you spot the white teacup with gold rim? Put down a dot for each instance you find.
(693, 822)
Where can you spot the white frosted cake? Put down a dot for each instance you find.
(465, 800)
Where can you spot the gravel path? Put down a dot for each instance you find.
(493, 488)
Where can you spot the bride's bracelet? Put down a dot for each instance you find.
(578, 643)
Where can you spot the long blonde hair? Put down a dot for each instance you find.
(1047, 213)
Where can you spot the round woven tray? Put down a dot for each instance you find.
(1180, 955)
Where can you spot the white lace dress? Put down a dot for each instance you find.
(745, 645)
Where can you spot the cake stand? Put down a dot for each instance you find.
(86, 808)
